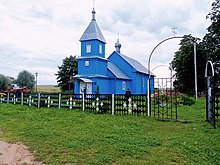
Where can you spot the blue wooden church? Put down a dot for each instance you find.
(112, 75)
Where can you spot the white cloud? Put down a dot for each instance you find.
(37, 34)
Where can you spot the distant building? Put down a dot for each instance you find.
(112, 75)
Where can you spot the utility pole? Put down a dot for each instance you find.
(36, 74)
(195, 70)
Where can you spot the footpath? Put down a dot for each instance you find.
(13, 154)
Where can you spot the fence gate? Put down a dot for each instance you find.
(164, 99)
(212, 94)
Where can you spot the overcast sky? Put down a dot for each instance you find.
(35, 35)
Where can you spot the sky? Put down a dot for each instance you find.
(36, 35)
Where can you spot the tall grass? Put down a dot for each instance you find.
(61, 136)
(48, 88)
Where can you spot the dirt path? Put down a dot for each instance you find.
(13, 154)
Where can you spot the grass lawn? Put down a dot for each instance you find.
(61, 136)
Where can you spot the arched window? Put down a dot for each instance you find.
(123, 86)
(100, 48)
(88, 48)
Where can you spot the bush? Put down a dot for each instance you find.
(4, 82)
(188, 100)
(183, 99)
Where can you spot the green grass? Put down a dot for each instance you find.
(60, 136)
(196, 112)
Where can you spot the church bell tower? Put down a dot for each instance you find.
(92, 40)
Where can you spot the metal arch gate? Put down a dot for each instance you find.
(164, 99)
(162, 110)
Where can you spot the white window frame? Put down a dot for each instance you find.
(88, 48)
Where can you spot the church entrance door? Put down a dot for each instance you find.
(88, 88)
(85, 88)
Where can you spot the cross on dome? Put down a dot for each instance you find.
(93, 11)
(93, 14)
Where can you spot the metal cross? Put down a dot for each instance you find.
(71, 103)
(174, 30)
(2, 98)
(93, 2)
(30, 100)
(14, 99)
(48, 101)
(130, 105)
(118, 35)
(97, 103)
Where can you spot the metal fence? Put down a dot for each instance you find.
(101, 103)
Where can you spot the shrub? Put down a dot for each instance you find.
(188, 100)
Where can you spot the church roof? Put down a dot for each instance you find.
(135, 64)
(116, 71)
(93, 31)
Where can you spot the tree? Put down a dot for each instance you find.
(212, 39)
(26, 78)
(208, 49)
(183, 64)
(67, 70)
(4, 82)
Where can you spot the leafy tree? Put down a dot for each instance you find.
(208, 49)
(26, 78)
(67, 70)
(183, 64)
(4, 82)
(211, 40)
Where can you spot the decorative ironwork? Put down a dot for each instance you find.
(136, 104)
(101, 103)
(129, 105)
(163, 100)
(48, 102)
(30, 100)
(97, 104)
(71, 103)
(14, 99)
(2, 99)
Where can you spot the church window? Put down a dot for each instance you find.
(123, 86)
(86, 63)
(88, 48)
(100, 48)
